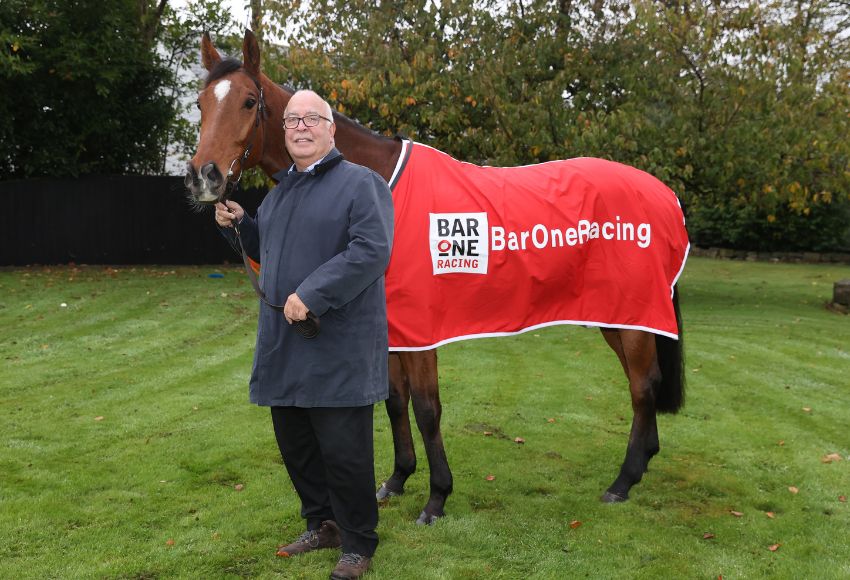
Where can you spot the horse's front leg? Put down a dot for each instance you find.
(636, 351)
(421, 370)
(405, 455)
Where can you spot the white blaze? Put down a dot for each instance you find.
(221, 90)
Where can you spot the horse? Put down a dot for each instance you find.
(241, 111)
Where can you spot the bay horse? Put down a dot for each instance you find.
(241, 115)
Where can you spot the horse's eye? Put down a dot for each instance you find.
(249, 104)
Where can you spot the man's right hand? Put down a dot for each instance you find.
(224, 215)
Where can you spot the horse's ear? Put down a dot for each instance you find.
(209, 55)
(251, 54)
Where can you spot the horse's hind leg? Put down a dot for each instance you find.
(405, 455)
(421, 370)
(637, 354)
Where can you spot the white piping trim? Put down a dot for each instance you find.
(535, 327)
(681, 269)
(404, 145)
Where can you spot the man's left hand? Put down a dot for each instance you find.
(294, 310)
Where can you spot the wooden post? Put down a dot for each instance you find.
(841, 293)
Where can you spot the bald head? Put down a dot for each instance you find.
(311, 99)
(307, 142)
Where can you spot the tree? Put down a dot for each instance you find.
(742, 107)
(766, 91)
(178, 39)
(97, 87)
(80, 90)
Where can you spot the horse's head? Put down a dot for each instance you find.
(233, 110)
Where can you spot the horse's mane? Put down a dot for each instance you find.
(355, 125)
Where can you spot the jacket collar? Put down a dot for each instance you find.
(332, 158)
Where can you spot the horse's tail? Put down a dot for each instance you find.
(670, 391)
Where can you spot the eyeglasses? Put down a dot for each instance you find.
(311, 120)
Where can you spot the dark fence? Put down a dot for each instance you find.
(110, 220)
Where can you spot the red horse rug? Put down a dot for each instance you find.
(493, 251)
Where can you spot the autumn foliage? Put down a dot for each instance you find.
(742, 107)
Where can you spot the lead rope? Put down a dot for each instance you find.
(309, 327)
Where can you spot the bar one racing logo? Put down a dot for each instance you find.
(459, 243)
(462, 242)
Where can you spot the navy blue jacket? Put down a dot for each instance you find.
(325, 234)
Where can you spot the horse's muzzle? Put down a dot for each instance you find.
(206, 187)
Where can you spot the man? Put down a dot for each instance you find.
(323, 237)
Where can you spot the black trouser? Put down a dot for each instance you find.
(329, 454)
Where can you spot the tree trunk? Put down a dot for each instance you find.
(257, 19)
(149, 17)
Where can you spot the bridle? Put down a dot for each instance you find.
(262, 114)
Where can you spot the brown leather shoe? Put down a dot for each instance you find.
(350, 566)
(327, 536)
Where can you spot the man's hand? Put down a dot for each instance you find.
(294, 309)
(224, 215)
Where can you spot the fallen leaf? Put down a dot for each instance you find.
(842, 498)
(216, 536)
(830, 458)
(490, 477)
(781, 443)
(771, 515)
(238, 487)
(550, 420)
(99, 418)
(574, 524)
(488, 433)
(169, 542)
(736, 514)
(793, 489)
(774, 547)
(707, 536)
(519, 440)
(807, 409)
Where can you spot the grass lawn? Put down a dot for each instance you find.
(129, 449)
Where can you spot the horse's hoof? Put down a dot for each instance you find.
(426, 520)
(384, 493)
(610, 497)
